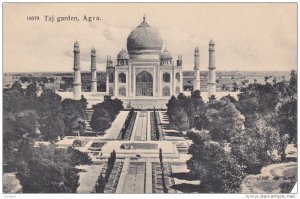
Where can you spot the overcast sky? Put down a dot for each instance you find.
(248, 36)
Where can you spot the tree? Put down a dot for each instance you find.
(105, 113)
(13, 99)
(217, 171)
(77, 157)
(293, 84)
(100, 120)
(272, 141)
(160, 156)
(45, 80)
(49, 101)
(83, 102)
(266, 79)
(18, 133)
(165, 189)
(100, 185)
(52, 126)
(17, 86)
(212, 98)
(114, 156)
(287, 119)
(257, 98)
(51, 117)
(171, 105)
(255, 148)
(24, 79)
(288, 185)
(49, 170)
(73, 113)
(196, 94)
(51, 79)
(31, 90)
(180, 120)
(110, 165)
(230, 98)
(223, 87)
(193, 105)
(223, 120)
(235, 86)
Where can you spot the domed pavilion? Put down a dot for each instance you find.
(144, 70)
(144, 75)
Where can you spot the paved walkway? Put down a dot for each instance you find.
(135, 179)
(141, 127)
(135, 125)
(264, 182)
(123, 175)
(88, 179)
(276, 170)
(11, 184)
(148, 181)
(113, 132)
(182, 168)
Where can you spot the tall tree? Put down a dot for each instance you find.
(254, 148)
(100, 120)
(180, 120)
(105, 113)
(293, 84)
(73, 113)
(287, 119)
(51, 170)
(217, 171)
(223, 120)
(83, 102)
(18, 133)
(50, 114)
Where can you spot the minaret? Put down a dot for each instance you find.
(196, 70)
(77, 74)
(211, 68)
(93, 71)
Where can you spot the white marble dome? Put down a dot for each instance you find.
(144, 37)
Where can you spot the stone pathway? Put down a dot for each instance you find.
(135, 179)
(265, 182)
(88, 179)
(140, 133)
(113, 132)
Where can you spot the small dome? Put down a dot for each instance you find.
(165, 55)
(196, 49)
(144, 37)
(93, 50)
(123, 54)
(76, 44)
(211, 42)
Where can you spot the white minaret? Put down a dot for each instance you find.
(77, 74)
(211, 68)
(93, 71)
(196, 70)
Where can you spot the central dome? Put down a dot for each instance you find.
(144, 37)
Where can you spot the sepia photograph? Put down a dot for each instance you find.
(149, 98)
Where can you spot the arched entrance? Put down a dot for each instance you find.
(144, 84)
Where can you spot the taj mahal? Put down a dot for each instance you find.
(145, 75)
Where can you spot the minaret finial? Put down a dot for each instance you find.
(144, 17)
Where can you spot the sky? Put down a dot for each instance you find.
(248, 36)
